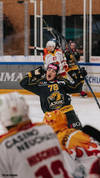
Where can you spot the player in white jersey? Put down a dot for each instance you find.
(27, 150)
(81, 147)
(55, 55)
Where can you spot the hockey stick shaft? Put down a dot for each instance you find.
(92, 92)
(92, 132)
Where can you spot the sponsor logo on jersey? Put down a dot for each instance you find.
(28, 139)
(55, 100)
(43, 83)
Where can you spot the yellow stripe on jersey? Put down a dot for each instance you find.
(66, 108)
(10, 133)
(29, 74)
(75, 67)
(14, 130)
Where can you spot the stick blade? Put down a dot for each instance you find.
(92, 132)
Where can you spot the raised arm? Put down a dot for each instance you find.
(31, 80)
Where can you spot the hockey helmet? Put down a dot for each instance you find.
(51, 44)
(57, 43)
(13, 109)
(54, 66)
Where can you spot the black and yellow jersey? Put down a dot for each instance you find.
(53, 94)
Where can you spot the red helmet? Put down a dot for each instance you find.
(54, 67)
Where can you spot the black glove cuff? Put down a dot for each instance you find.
(38, 72)
(83, 72)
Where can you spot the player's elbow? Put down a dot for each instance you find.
(22, 83)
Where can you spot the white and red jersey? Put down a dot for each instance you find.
(95, 169)
(31, 151)
(55, 57)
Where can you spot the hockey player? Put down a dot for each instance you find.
(79, 145)
(53, 54)
(72, 66)
(54, 92)
(28, 150)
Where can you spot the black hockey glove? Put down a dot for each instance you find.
(79, 74)
(38, 72)
(83, 72)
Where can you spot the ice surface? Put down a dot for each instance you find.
(86, 109)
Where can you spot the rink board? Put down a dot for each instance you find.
(11, 72)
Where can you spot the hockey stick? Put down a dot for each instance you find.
(92, 132)
(62, 37)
